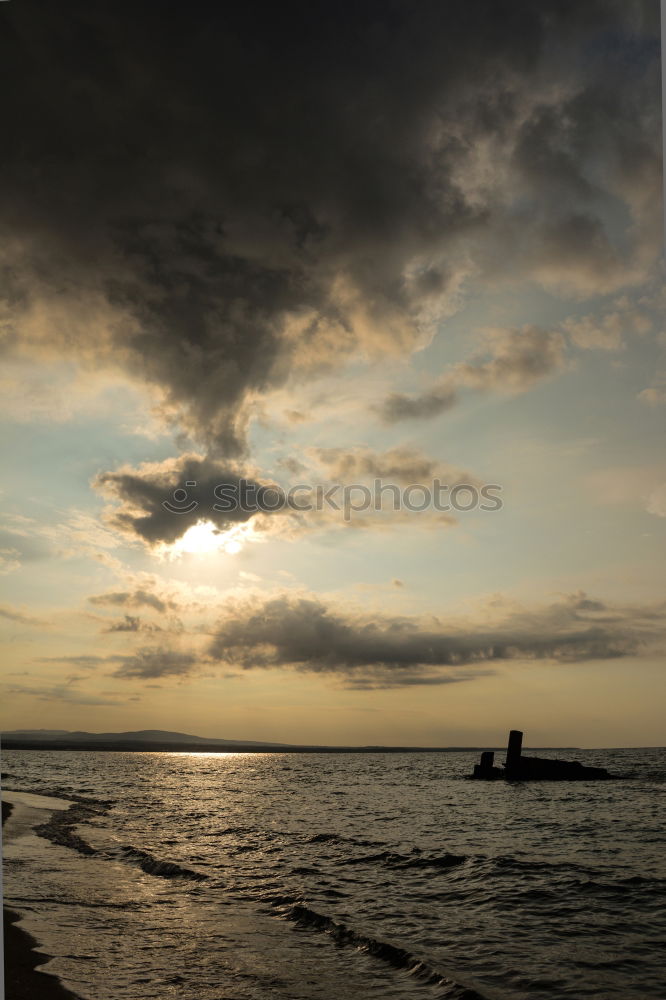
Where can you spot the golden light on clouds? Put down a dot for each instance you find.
(205, 538)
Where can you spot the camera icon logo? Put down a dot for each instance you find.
(179, 497)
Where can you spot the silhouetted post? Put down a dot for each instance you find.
(513, 750)
(485, 769)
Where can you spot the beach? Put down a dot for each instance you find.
(23, 981)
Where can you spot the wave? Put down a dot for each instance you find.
(403, 862)
(18, 901)
(443, 861)
(336, 838)
(57, 792)
(153, 866)
(59, 829)
(399, 958)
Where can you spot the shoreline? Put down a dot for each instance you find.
(23, 981)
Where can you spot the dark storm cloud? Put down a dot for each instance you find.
(142, 493)
(214, 197)
(305, 633)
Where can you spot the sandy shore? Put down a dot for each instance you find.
(22, 980)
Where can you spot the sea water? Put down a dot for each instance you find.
(324, 876)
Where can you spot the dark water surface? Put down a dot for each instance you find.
(318, 877)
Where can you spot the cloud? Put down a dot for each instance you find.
(510, 360)
(167, 598)
(655, 394)
(85, 661)
(595, 333)
(402, 464)
(143, 492)
(213, 239)
(399, 406)
(66, 692)
(608, 331)
(161, 662)
(656, 502)
(361, 649)
(14, 615)
(74, 533)
(9, 561)
(135, 598)
(269, 510)
(132, 623)
(305, 633)
(517, 358)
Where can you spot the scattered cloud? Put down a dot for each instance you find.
(133, 599)
(655, 394)
(15, 615)
(9, 561)
(399, 406)
(656, 501)
(510, 360)
(66, 692)
(131, 623)
(162, 662)
(402, 465)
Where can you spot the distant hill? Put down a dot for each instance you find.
(141, 736)
(44, 734)
(156, 740)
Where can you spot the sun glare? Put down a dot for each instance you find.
(204, 538)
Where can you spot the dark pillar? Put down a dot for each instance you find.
(484, 769)
(513, 749)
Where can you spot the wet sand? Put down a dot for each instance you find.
(22, 980)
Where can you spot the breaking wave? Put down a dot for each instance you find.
(153, 866)
(397, 957)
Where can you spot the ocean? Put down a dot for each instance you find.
(322, 876)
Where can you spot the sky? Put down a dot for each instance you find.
(328, 246)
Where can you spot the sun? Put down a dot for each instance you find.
(204, 538)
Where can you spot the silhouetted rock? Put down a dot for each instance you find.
(520, 768)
